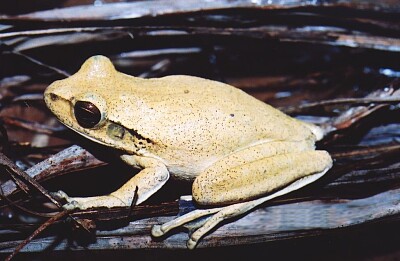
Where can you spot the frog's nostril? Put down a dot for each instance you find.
(53, 97)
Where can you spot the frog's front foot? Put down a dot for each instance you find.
(71, 202)
(60, 195)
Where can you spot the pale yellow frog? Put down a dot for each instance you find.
(239, 151)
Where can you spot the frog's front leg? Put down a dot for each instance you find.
(150, 179)
(273, 169)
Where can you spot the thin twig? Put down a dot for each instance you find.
(14, 204)
(134, 201)
(355, 101)
(61, 72)
(46, 224)
(9, 164)
(52, 31)
(18, 182)
(68, 160)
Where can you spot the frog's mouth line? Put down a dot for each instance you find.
(132, 132)
(88, 137)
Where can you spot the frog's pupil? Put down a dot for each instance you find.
(87, 114)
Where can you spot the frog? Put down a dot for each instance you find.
(237, 151)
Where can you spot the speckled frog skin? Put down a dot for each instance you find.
(238, 150)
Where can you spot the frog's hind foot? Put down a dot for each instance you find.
(200, 227)
(217, 215)
(160, 230)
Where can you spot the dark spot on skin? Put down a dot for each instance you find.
(139, 137)
(232, 115)
(186, 91)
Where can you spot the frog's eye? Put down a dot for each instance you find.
(87, 114)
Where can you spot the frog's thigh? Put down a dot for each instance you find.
(256, 178)
(262, 150)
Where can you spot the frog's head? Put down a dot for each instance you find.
(83, 100)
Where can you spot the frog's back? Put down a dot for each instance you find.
(188, 116)
(226, 110)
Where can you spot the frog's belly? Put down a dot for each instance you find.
(189, 171)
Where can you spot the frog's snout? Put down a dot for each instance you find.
(57, 101)
(58, 90)
(49, 96)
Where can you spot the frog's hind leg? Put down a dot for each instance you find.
(237, 158)
(223, 213)
(241, 208)
(244, 182)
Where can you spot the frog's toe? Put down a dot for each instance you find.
(71, 205)
(60, 195)
(191, 244)
(156, 231)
